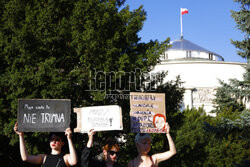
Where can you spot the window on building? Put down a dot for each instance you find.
(210, 56)
(162, 56)
(166, 56)
(188, 54)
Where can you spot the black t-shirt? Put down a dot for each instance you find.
(54, 160)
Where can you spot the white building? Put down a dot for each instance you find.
(200, 70)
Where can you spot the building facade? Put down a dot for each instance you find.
(200, 70)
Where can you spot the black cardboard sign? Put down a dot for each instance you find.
(43, 115)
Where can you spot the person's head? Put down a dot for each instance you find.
(143, 143)
(56, 140)
(110, 150)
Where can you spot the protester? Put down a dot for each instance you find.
(143, 144)
(56, 158)
(110, 152)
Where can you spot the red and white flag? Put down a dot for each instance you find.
(184, 11)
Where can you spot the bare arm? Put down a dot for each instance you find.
(91, 136)
(86, 152)
(168, 154)
(72, 156)
(34, 159)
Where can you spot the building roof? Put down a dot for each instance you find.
(183, 44)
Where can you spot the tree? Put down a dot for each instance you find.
(242, 20)
(202, 140)
(228, 144)
(236, 93)
(229, 129)
(191, 139)
(63, 49)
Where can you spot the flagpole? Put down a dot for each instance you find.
(183, 11)
(181, 25)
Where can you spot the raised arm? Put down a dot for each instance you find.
(35, 159)
(168, 154)
(86, 152)
(72, 156)
(91, 136)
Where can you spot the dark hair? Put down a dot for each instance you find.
(111, 143)
(58, 134)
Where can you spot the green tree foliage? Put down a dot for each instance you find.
(229, 131)
(64, 49)
(234, 94)
(191, 139)
(202, 140)
(229, 140)
(242, 19)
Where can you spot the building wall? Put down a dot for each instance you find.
(201, 78)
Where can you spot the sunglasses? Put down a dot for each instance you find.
(55, 139)
(113, 153)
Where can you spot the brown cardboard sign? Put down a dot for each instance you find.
(99, 118)
(147, 112)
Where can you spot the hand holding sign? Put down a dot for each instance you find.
(91, 134)
(167, 129)
(16, 129)
(68, 133)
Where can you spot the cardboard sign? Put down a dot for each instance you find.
(99, 118)
(43, 115)
(147, 112)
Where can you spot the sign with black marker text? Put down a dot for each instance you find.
(99, 118)
(147, 112)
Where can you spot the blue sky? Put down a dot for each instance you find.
(208, 24)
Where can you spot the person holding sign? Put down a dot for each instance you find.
(56, 157)
(143, 144)
(110, 152)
